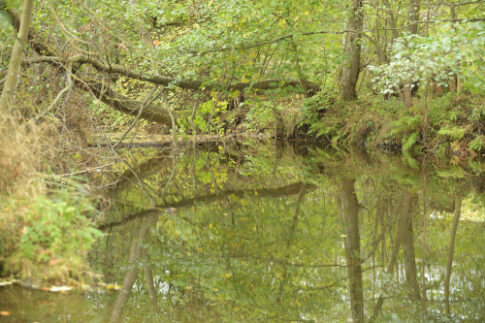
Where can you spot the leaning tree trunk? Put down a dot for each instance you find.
(351, 70)
(8, 91)
(451, 250)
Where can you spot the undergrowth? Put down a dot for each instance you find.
(45, 221)
(451, 125)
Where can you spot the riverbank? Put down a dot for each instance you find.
(451, 126)
(46, 220)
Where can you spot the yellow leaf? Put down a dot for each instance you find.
(4, 313)
(112, 287)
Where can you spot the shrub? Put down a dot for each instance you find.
(46, 237)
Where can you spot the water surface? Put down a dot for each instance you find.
(259, 233)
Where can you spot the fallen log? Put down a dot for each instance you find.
(167, 141)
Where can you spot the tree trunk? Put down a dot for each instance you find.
(151, 288)
(413, 16)
(132, 272)
(411, 87)
(451, 250)
(8, 92)
(349, 210)
(454, 77)
(409, 258)
(351, 70)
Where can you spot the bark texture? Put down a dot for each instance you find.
(411, 88)
(351, 70)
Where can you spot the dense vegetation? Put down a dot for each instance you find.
(81, 79)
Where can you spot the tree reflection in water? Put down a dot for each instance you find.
(257, 234)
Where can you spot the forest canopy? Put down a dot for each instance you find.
(118, 50)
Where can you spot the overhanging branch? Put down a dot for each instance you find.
(189, 84)
(119, 102)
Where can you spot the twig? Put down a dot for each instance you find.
(140, 111)
(87, 170)
(61, 93)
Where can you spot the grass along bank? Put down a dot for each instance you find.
(46, 229)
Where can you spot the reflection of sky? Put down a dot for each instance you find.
(472, 210)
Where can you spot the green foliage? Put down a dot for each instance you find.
(477, 144)
(454, 133)
(56, 234)
(318, 116)
(410, 142)
(406, 124)
(314, 107)
(456, 49)
(408, 129)
(261, 115)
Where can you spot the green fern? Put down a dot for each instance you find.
(453, 133)
(406, 124)
(412, 139)
(477, 144)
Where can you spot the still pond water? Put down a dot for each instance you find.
(258, 233)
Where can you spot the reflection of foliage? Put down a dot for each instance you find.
(249, 257)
